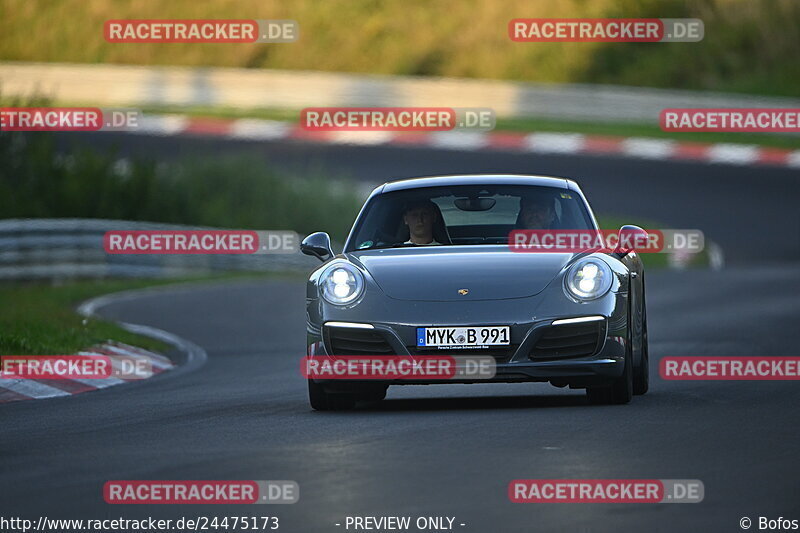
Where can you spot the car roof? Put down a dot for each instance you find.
(477, 179)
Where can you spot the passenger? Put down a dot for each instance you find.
(420, 216)
(536, 212)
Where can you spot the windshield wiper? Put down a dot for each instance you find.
(384, 246)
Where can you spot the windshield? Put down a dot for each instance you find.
(465, 215)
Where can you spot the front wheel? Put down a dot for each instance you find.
(321, 400)
(641, 375)
(620, 391)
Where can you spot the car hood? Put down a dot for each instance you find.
(438, 273)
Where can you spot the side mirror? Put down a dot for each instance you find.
(317, 244)
(630, 238)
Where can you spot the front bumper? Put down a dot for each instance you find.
(395, 321)
(527, 359)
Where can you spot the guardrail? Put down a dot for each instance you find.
(71, 248)
(64, 248)
(139, 86)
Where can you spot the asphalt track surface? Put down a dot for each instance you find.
(451, 450)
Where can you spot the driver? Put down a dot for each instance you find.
(536, 212)
(420, 216)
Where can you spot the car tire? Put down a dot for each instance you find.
(374, 396)
(597, 395)
(321, 400)
(620, 391)
(641, 374)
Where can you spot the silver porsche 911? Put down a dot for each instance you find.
(428, 269)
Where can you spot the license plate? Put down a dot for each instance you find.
(469, 336)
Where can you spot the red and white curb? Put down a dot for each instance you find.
(195, 356)
(542, 143)
(27, 389)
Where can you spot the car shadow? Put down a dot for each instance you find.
(476, 403)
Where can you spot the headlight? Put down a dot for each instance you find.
(341, 284)
(588, 279)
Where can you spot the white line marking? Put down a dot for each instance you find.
(367, 138)
(196, 356)
(679, 259)
(127, 373)
(558, 143)
(737, 154)
(716, 257)
(161, 124)
(127, 353)
(260, 130)
(99, 383)
(31, 388)
(459, 140)
(793, 159)
(648, 148)
(136, 350)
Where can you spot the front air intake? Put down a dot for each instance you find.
(355, 341)
(569, 340)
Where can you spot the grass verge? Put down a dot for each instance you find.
(39, 180)
(749, 45)
(41, 319)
